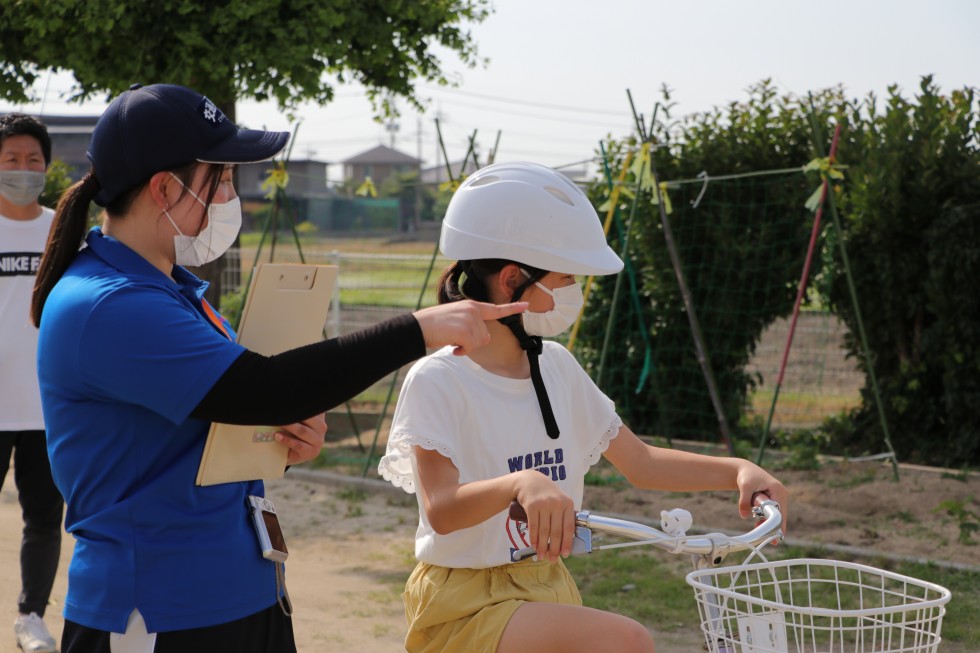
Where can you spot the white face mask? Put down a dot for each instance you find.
(568, 305)
(21, 187)
(224, 223)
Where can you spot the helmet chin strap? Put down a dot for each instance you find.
(533, 346)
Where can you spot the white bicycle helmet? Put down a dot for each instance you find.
(530, 214)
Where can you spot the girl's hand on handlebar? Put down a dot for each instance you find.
(550, 515)
(462, 323)
(753, 480)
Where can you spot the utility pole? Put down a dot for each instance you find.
(392, 127)
(418, 180)
(440, 116)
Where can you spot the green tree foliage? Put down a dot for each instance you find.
(56, 182)
(287, 50)
(911, 217)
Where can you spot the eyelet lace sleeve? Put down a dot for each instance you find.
(600, 447)
(396, 466)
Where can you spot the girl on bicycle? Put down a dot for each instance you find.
(520, 419)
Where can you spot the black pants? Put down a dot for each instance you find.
(41, 505)
(268, 631)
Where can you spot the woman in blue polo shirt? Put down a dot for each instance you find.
(134, 364)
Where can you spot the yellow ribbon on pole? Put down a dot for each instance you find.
(452, 185)
(606, 226)
(367, 188)
(277, 179)
(828, 171)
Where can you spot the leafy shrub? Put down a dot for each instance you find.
(911, 220)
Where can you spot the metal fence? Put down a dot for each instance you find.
(370, 287)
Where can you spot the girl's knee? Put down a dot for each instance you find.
(633, 637)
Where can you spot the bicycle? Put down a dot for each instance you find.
(806, 605)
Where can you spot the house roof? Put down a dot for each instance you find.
(381, 154)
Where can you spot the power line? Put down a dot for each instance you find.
(507, 134)
(341, 141)
(528, 103)
(538, 117)
(543, 151)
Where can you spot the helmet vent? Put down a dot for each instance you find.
(483, 181)
(560, 195)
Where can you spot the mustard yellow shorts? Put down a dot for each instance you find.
(466, 610)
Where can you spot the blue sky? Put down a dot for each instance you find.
(559, 69)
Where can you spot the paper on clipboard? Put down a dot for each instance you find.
(286, 308)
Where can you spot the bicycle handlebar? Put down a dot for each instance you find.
(712, 545)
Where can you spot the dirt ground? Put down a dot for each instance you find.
(351, 543)
(840, 505)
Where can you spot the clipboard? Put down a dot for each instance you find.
(286, 308)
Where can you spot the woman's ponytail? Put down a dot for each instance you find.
(64, 240)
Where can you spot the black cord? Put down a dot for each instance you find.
(533, 345)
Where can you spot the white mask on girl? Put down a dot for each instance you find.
(568, 305)
(224, 223)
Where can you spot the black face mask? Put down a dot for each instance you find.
(533, 345)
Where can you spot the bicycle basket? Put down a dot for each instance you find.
(817, 606)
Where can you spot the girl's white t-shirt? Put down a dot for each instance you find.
(488, 426)
(21, 247)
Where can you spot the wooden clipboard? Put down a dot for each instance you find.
(286, 308)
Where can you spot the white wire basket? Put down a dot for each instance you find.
(817, 606)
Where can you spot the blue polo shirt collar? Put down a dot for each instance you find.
(122, 258)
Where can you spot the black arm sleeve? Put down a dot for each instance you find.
(300, 383)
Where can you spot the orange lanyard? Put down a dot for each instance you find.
(214, 318)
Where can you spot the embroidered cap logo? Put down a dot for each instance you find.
(211, 112)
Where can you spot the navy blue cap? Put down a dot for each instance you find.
(149, 129)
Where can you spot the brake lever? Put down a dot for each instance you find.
(582, 543)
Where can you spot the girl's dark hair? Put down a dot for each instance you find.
(71, 220)
(468, 279)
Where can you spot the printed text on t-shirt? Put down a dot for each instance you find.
(13, 264)
(547, 462)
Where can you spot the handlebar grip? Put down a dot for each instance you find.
(517, 512)
(759, 498)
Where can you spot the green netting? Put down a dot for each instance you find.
(741, 244)
(742, 248)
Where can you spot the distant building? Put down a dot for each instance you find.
(70, 136)
(578, 173)
(307, 178)
(309, 197)
(438, 174)
(306, 191)
(378, 163)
